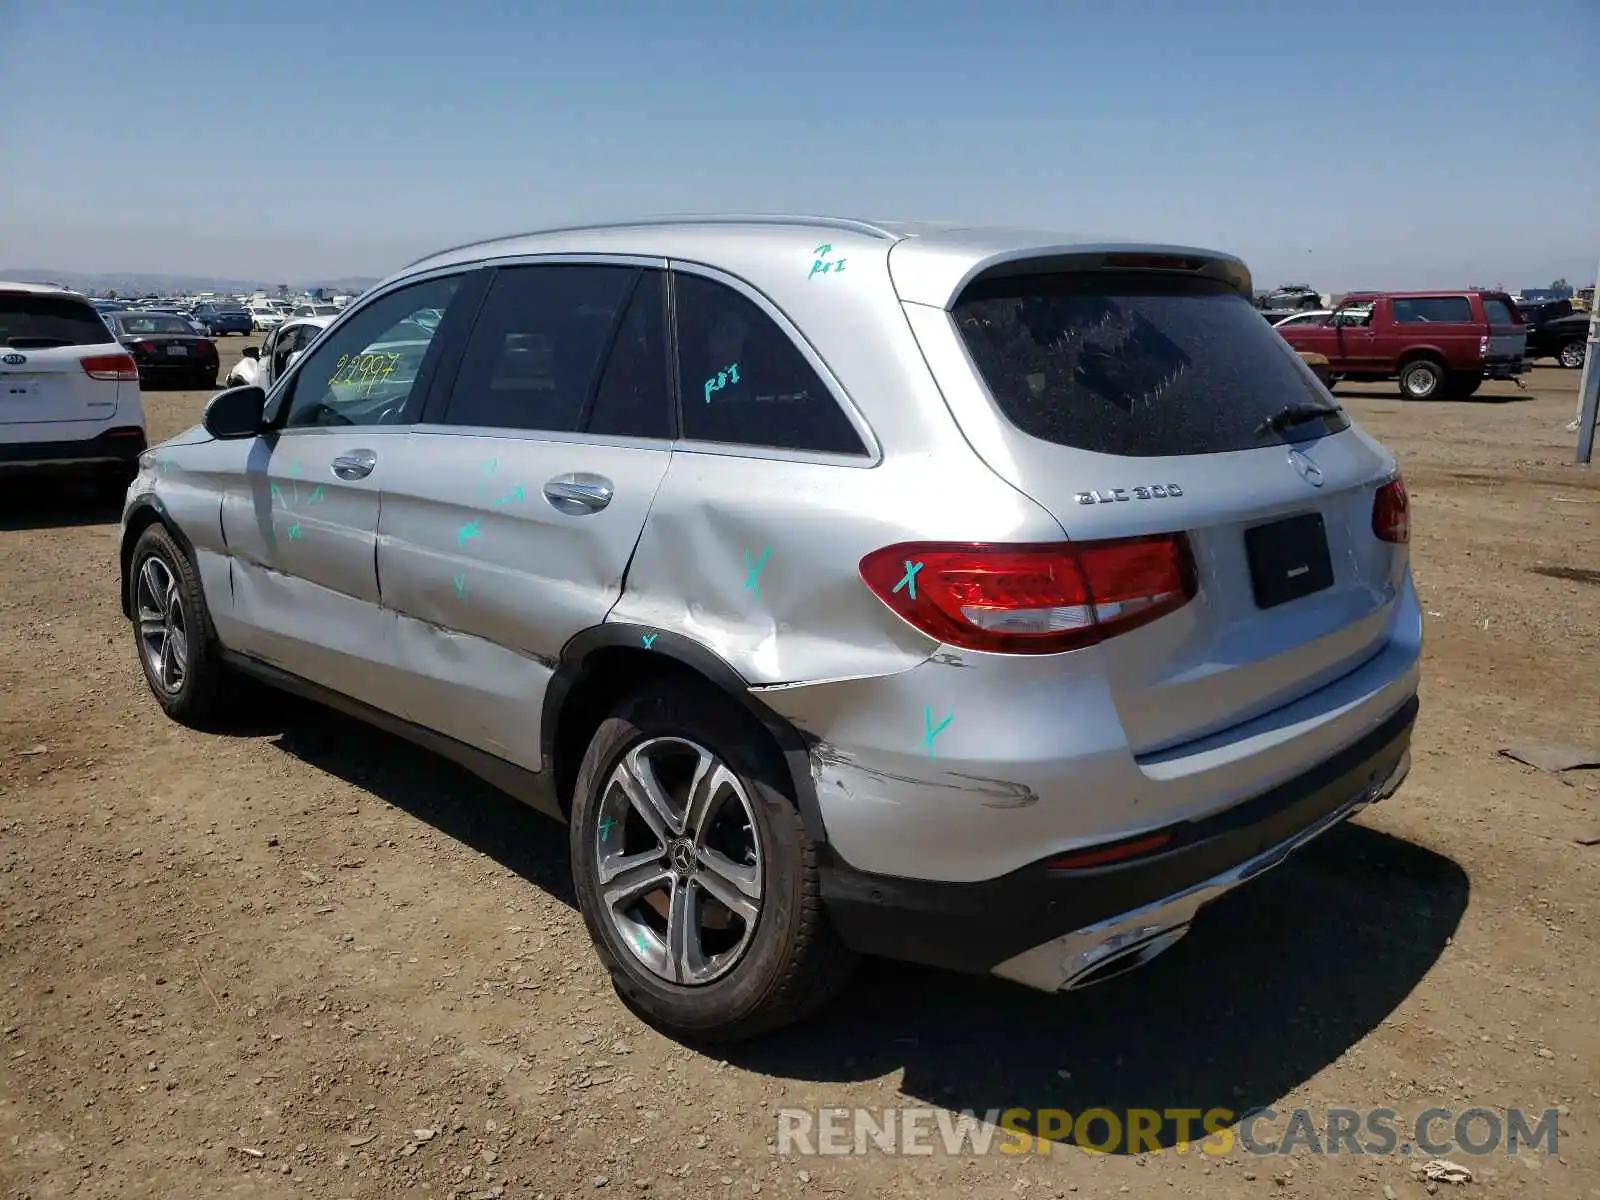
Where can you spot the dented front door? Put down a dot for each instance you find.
(302, 526)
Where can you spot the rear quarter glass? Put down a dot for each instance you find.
(1141, 365)
(31, 320)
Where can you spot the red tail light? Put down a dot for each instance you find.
(1041, 598)
(1391, 513)
(205, 349)
(110, 366)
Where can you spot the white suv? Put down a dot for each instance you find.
(69, 392)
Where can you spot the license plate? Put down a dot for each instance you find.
(1288, 559)
(177, 349)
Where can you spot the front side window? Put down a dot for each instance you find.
(366, 371)
(536, 346)
(743, 381)
(1357, 316)
(1432, 310)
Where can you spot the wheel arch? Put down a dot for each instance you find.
(146, 511)
(605, 662)
(1412, 353)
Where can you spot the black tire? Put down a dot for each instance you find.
(1571, 355)
(793, 962)
(201, 695)
(1421, 379)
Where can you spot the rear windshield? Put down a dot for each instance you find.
(29, 321)
(1139, 365)
(1498, 312)
(153, 323)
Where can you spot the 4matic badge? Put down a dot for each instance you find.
(1152, 491)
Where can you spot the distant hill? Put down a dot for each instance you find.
(134, 283)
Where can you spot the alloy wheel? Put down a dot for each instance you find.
(1572, 355)
(679, 860)
(163, 626)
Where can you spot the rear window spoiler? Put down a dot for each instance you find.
(923, 275)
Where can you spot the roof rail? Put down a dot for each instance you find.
(844, 224)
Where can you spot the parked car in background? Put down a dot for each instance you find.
(220, 317)
(1436, 344)
(1556, 330)
(69, 393)
(1120, 615)
(265, 315)
(318, 309)
(166, 349)
(262, 366)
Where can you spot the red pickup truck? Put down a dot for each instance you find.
(1435, 343)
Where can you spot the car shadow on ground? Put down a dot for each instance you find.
(55, 503)
(1275, 981)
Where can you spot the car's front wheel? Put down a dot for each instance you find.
(172, 630)
(695, 874)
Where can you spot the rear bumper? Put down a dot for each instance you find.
(1060, 929)
(122, 445)
(169, 371)
(1504, 368)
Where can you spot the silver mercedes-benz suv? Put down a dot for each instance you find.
(986, 599)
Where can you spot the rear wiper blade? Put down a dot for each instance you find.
(1297, 414)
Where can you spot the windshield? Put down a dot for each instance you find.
(30, 321)
(152, 323)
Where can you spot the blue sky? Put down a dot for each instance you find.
(1363, 143)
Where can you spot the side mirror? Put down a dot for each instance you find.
(235, 413)
(253, 352)
(293, 354)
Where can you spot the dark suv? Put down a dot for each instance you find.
(1555, 330)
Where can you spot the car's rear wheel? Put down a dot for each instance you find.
(1421, 379)
(695, 874)
(1571, 355)
(172, 630)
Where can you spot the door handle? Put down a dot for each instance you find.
(578, 493)
(357, 464)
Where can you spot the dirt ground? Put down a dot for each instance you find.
(304, 959)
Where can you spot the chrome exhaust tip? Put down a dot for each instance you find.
(1128, 959)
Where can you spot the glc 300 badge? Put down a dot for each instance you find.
(1153, 491)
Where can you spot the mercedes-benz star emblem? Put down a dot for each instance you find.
(1309, 471)
(681, 855)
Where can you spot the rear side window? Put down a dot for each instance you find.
(742, 381)
(1420, 310)
(1135, 364)
(31, 321)
(536, 347)
(1498, 312)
